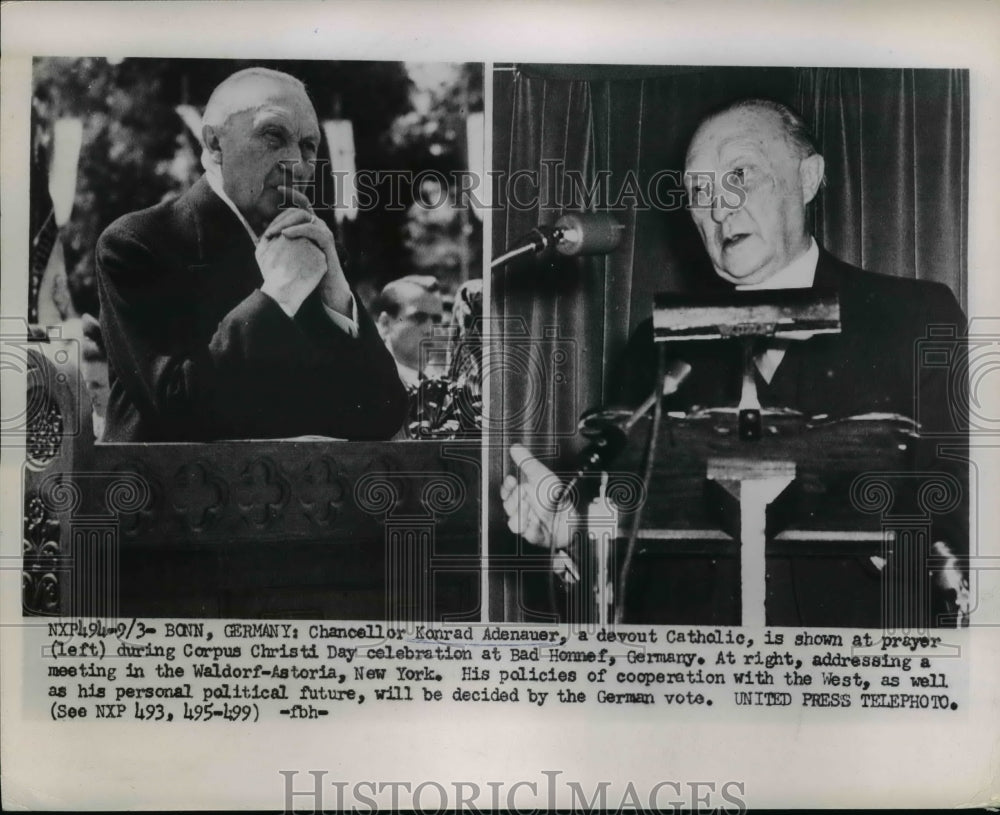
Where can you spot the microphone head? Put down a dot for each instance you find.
(675, 375)
(588, 233)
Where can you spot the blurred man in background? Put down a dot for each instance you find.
(406, 312)
(94, 372)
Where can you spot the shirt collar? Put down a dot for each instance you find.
(213, 175)
(799, 274)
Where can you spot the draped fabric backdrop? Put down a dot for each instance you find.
(571, 138)
(896, 144)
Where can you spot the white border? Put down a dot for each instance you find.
(949, 761)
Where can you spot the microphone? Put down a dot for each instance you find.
(576, 233)
(608, 434)
(588, 233)
(677, 371)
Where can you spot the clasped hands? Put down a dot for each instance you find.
(297, 254)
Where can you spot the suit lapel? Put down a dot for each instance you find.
(226, 271)
(226, 262)
(222, 241)
(809, 367)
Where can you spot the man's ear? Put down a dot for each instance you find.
(210, 138)
(382, 323)
(811, 171)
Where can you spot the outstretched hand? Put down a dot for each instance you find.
(953, 583)
(531, 502)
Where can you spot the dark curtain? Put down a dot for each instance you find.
(896, 146)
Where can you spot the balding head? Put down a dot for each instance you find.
(751, 169)
(795, 129)
(247, 90)
(261, 134)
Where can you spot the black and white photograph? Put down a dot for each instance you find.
(238, 267)
(470, 406)
(782, 254)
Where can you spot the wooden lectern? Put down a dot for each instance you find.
(819, 491)
(801, 521)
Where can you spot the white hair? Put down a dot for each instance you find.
(226, 101)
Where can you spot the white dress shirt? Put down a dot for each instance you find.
(799, 274)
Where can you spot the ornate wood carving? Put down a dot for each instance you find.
(263, 528)
(53, 442)
(261, 493)
(266, 528)
(322, 491)
(45, 433)
(198, 495)
(42, 553)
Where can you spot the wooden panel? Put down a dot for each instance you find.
(828, 458)
(244, 529)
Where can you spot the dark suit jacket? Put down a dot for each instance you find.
(881, 361)
(197, 352)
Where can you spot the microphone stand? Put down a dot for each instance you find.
(535, 242)
(647, 475)
(575, 233)
(608, 439)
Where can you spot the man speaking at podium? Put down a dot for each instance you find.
(226, 312)
(751, 170)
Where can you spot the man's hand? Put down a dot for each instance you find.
(530, 502)
(951, 581)
(301, 222)
(291, 270)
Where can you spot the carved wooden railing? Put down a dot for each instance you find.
(353, 530)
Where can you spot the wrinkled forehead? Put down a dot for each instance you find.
(268, 96)
(737, 133)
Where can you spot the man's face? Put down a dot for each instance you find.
(748, 190)
(94, 374)
(420, 312)
(266, 149)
